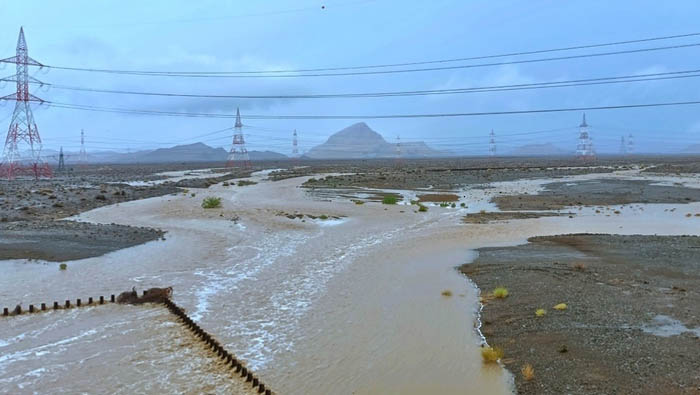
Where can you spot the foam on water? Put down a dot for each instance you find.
(666, 326)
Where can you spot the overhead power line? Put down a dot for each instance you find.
(492, 88)
(354, 69)
(361, 117)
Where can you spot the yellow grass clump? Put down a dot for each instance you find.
(446, 293)
(500, 292)
(540, 312)
(491, 354)
(528, 372)
(560, 306)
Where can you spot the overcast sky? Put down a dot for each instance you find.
(298, 34)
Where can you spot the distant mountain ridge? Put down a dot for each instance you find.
(196, 152)
(359, 141)
(691, 149)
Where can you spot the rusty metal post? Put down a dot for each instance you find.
(43, 307)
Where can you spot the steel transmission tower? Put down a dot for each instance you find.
(82, 157)
(623, 146)
(61, 162)
(492, 144)
(584, 149)
(399, 154)
(22, 152)
(238, 156)
(630, 144)
(295, 146)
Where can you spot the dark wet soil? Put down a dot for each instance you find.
(633, 316)
(29, 209)
(59, 241)
(486, 217)
(558, 195)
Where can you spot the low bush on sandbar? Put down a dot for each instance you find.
(389, 199)
(500, 292)
(560, 306)
(63, 266)
(528, 372)
(323, 217)
(540, 312)
(446, 293)
(422, 208)
(211, 202)
(243, 183)
(359, 202)
(491, 354)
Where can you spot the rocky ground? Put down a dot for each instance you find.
(486, 217)
(632, 322)
(558, 195)
(30, 209)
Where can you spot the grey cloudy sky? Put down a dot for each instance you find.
(297, 34)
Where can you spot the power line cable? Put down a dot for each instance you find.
(266, 73)
(492, 88)
(375, 116)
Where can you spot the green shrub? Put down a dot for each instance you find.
(63, 266)
(243, 183)
(211, 202)
(359, 202)
(389, 199)
(454, 205)
(500, 292)
(422, 208)
(463, 205)
(323, 216)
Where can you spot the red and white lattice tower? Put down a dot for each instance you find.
(22, 153)
(584, 149)
(238, 156)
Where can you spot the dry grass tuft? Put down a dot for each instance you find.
(528, 372)
(491, 354)
(580, 267)
(560, 306)
(500, 292)
(446, 293)
(540, 312)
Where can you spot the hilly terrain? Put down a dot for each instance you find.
(359, 141)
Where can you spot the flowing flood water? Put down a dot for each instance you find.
(349, 305)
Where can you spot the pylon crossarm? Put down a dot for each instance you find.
(18, 60)
(9, 60)
(30, 97)
(13, 78)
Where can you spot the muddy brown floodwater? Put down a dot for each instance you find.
(346, 305)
